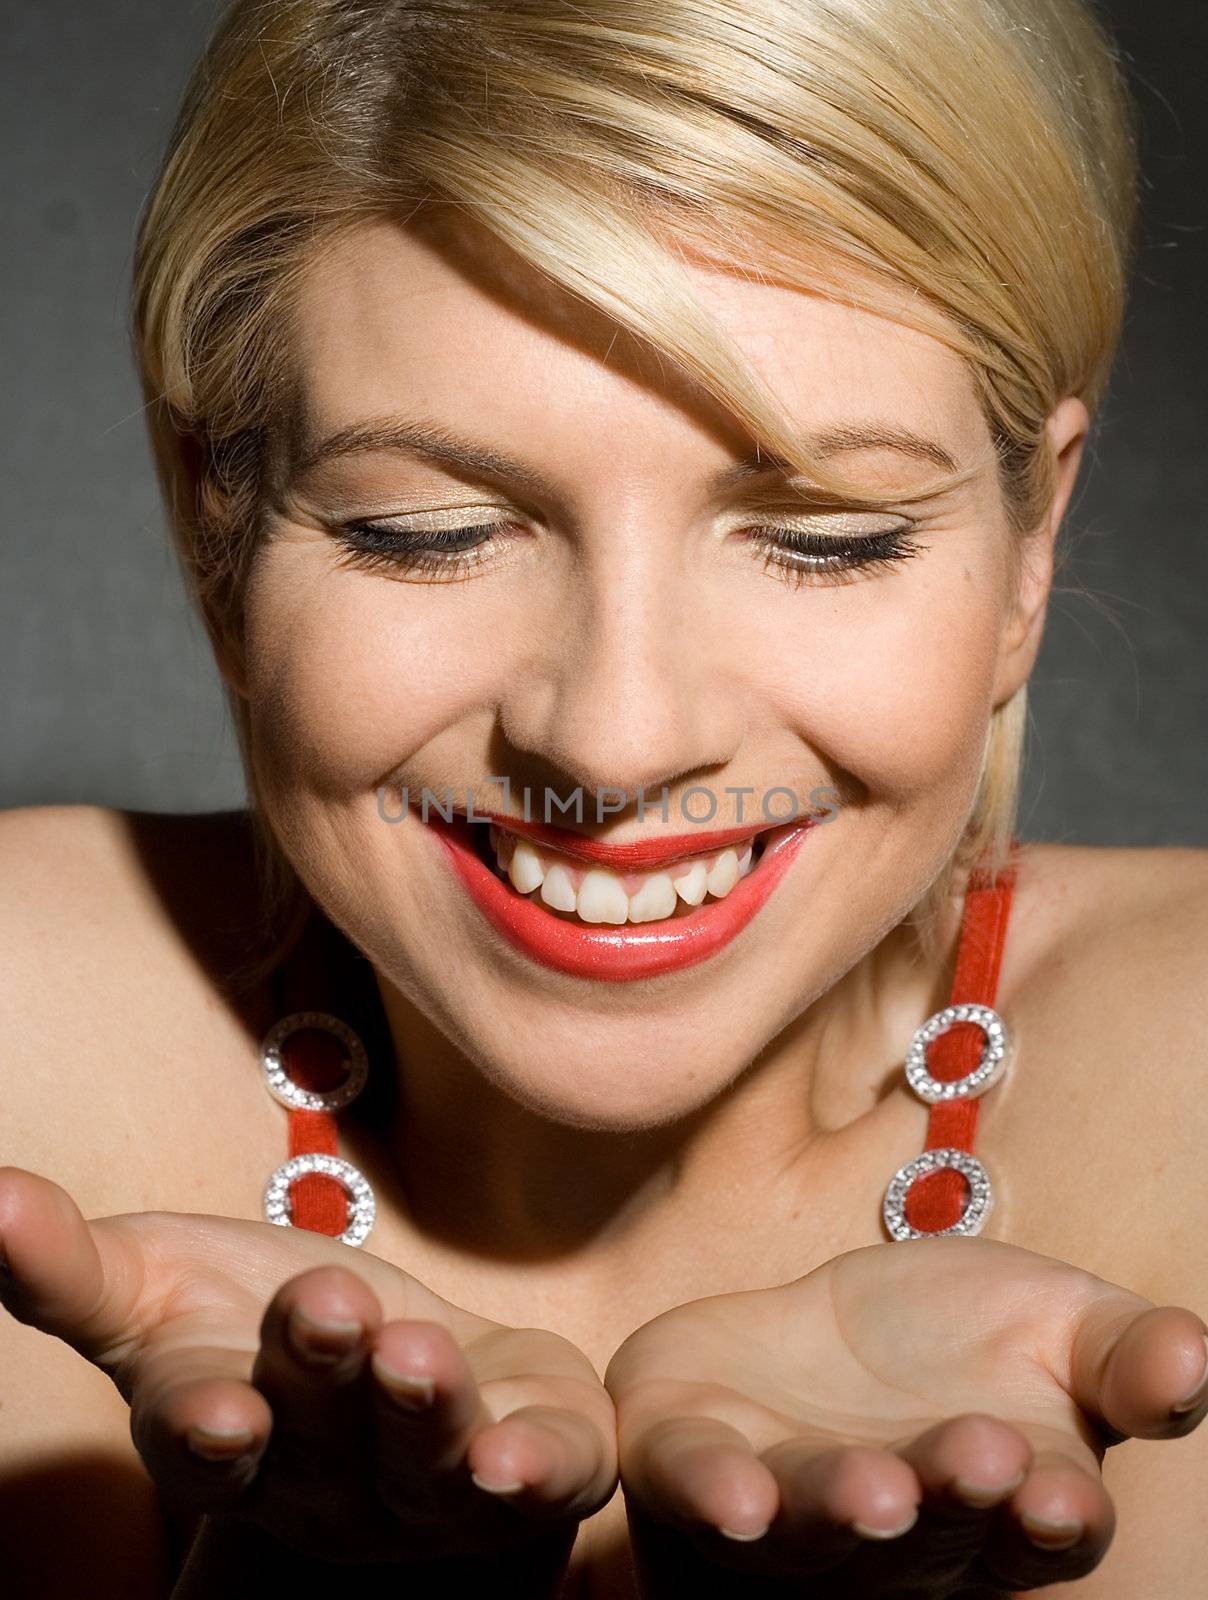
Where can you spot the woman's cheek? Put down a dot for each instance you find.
(895, 694)
(370, 670)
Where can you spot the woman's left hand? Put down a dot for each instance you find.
(952, 1387)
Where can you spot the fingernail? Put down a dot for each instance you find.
(218, 1444)
(1198, 1395)
(319, 1339)
(744, 1538)
(981, 1495)
(1051, 1535)
(411, 1392)
(498, 1488)
(866, 1532)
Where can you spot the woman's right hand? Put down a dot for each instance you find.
(368, 1443)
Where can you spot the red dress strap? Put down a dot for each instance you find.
(936, 1200)
(314, 1060)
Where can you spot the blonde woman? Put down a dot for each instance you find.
(674, 405)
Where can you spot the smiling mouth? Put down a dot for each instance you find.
(589, 942)
(589, 895)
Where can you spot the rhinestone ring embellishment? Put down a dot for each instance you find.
(971, 1220)
(988, 1070)
(282, 1087)
(362, 1206)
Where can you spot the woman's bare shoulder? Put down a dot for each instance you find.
(90, 958)
(1090, 874)
(1110, 975)
(1120, 935)
(118, 932)
(1143, 909)
(100, 862)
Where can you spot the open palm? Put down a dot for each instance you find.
(891, 1420)
(406, 1427)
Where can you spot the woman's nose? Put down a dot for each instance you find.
(628, 687)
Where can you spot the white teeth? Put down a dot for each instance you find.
(557, 890)
(524, 869)
(694, 885)
(602, 898)
(654, 900)
(724, 875)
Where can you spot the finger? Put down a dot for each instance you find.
(833, 1499)
(200, 1427)
(548, 1461)
(315, 1337)
(1056, 1528)
(967, 1464)
(702, 1476)
(538, 1430)
(77, 1280)
(425, 1406)
(966, 1467)
(565, 1439)
(1132, 1364)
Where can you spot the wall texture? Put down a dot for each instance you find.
(110, 694)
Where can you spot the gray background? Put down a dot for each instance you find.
(111, 695)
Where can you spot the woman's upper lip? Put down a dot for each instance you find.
(637, 856)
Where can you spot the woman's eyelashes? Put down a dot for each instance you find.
(428, 552)
(797, 555)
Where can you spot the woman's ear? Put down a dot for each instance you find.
(1067, 428)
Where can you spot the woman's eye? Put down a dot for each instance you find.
(432, 552)
(801, 555)
(797, 555)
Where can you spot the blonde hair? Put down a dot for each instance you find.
(979, 155)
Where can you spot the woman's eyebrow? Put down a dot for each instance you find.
(434, 442)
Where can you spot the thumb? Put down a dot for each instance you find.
(78, 1280)
(1135, 1366)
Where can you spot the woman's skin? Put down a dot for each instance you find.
(680, 1177)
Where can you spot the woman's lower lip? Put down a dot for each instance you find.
(613, 954)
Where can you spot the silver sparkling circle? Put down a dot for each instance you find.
(362, 1207)
(283, 1088)
(988, 1070)
(977, 1208)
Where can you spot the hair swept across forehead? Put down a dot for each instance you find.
(967, 167)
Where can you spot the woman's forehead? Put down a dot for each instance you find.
(445, 315)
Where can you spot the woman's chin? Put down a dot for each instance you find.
(612, 1097)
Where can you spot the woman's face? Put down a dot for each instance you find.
(622, 626)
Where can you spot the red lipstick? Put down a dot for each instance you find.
(638, 856)
(611, 953)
